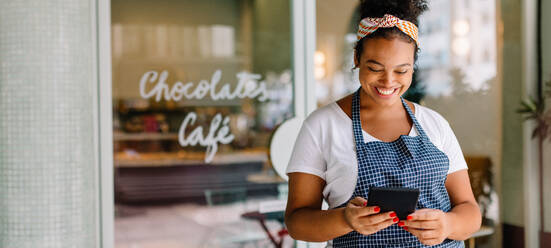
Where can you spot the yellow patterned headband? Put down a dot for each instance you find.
(369, 25)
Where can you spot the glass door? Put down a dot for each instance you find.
(198, 88)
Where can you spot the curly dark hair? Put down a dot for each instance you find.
(408, 10)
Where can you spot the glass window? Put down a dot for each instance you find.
(198, 89)
(457, 70)
(336, 25)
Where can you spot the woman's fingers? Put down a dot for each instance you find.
(383, 224)
(359, 207)
(427, 237)
(358, 201)
(382, 217)
(371, 210)
(428, 225)
(422, 224)
(373, 227)
(361, 212)
(367, 220)
(425, 214)
(424, 234)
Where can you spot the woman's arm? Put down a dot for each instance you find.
(465, 215)
(304, 218)
(306, 221)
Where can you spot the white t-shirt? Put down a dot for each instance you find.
(325, 147)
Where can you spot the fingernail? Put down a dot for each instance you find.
(365, 204)
(409, 217)
(395, 219)
(377, 209)
(392, 214)
(405, 228)
(401, 223)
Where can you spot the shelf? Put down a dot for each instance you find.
(187, 159)
(186, 183)
(182, 106)
(156, 163)
(119, 136)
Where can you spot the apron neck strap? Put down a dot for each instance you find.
(413, 119)
(357, 123)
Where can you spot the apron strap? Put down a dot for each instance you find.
(356, 121)
(415, 122)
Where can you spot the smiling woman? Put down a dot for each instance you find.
(386, 68)
(375, 138)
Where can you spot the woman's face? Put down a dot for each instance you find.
(386, 69)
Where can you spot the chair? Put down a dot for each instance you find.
(481, 178)
(226, 207)
(480, 175)
(225, 196)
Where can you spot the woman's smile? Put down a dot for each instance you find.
(386, 92)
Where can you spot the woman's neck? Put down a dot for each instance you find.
(374, 109)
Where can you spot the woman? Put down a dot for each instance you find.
(375, 138)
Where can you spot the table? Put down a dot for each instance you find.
(483, 231)
(262, 217)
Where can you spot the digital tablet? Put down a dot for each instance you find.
(400, 200)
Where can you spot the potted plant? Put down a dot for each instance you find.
(535, 109)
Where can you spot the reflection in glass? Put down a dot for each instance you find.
(336, 25)
(458, 69)
(198, 89)
(185, 58)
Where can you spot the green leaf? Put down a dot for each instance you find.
(535, 110)
(528, 105)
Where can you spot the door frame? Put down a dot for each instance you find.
(106, 212)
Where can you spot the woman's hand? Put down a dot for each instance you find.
(430, 226)
(367, 220)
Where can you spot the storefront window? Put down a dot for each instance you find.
(457, 74)
(198, 89)
(336, 25)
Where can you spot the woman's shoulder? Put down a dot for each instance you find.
(330, 112)
(322, 118)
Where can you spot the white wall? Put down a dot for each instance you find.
(546, 40)
(511, 72)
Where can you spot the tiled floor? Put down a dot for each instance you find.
(191, 225)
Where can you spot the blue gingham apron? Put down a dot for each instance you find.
(409, 161)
